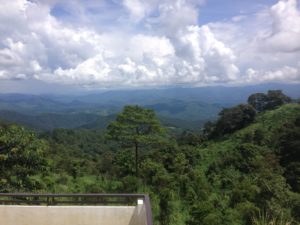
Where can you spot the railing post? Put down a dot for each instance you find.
(140, 201)
(148, 210)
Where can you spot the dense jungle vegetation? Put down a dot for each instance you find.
(242, 168)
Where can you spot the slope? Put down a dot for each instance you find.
(243, 173)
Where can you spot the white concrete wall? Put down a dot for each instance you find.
(139, 215)
(72, 215)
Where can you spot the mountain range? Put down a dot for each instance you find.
(187, 108)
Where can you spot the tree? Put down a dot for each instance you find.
(21, 157)
(136, 127)
(189, 137)
(276, 98)
(235, 118)
(258, 101)
(271, 100)
(289, 145)
(209, 129)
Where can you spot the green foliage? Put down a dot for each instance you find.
(232, 119)
(267, 219)
(245, 174)
(271, 100)
(136, 127)
(289, 142)
(21, 157)
(252, 167)
(122, 163)
(190, 138)
(49, 121)
(276, 98)
(259, 101)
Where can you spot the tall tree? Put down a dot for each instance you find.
(258, 101)
(271, 100)
(277, 98)
(21, 156)
(136, 127)
(235, 118)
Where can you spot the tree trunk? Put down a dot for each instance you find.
(136, 160)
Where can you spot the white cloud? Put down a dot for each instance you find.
(286, 73)
(152, 60)
(208, 56)
(137, 9)
(169, 48)
(171, 12)
(141, 46)
(285, 32)
(267, 43)
(173, 16)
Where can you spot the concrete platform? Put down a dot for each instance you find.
(72, 215)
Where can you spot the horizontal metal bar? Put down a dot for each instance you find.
(57, 202)
(21, 201)
(70, 195)
(91, 202)
(56, 199)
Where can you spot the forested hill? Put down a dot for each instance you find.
(242, 169)
(49, 121)
(43, 114)
(187, 108)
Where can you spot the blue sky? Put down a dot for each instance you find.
(104, 44)
(213, 11)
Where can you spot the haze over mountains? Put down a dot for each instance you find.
(187, 108)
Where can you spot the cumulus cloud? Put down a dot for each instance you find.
(266, 44)
(174, 15)
(285, 73)
(279, 44)
(202, 59)
(137, 9)
(168, 48)
(285, 31)
(166, 11)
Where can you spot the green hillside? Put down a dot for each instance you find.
(44, 114)
(242, 175)
(50, 121)
(186, 110)
(244, 172)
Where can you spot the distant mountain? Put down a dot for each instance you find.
(28, 103)
(188, 111)
(187, 108)
(210, 94)
(48, 121)
(36, 104)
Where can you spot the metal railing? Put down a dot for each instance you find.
(77, 199)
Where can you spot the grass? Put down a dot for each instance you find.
(264, 218)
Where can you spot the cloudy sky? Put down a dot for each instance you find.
(100, 44)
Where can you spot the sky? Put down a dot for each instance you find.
(71, 45)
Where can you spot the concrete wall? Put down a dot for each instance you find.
(72, 215)
(139, 215)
